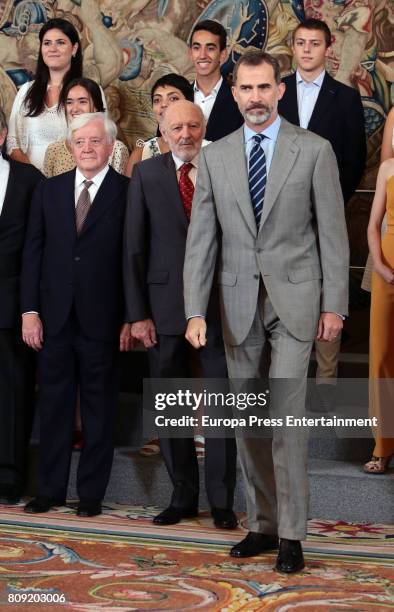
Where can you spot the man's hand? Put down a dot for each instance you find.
(330, 325)
(196, 332)
(32, 332)
(145, 332)
(126, 341)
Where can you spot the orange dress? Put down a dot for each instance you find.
(381, 341)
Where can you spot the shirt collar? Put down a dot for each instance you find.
(97, 179)
(214, 90)
(179, 162)
(270, 132)
(318, 81)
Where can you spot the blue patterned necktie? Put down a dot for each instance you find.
(257, 176)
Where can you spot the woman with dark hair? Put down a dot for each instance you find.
(37, 117)
(80, 96)
(169, 88)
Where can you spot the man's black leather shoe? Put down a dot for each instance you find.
(254, 544)
(42, 504)
(223, 518)
(91, 508)
(172, 515)
(290, 558)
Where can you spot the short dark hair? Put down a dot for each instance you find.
(315, 24)
(91, 87)
(214, 27)
(177, 81)
(256, 58)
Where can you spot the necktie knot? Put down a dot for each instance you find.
(87, 183)
(185, 168)
(258, 139)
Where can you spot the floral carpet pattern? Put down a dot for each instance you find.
(121, 561)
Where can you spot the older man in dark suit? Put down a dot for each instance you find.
(158, 213)
(17, 183)
(72, 304)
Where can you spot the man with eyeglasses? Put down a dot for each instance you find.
(72, 305)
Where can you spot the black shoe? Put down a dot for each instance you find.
(89, 508)
(254, 544)
(42, 503)
(172, 515)
(223, 518)
(290, 558)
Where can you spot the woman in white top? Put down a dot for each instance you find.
(37, 119)
(80, 96)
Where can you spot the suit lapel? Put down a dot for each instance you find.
(324, 100)
(172, 188)
(102, 201)
(234, 161)
(65, 202)
(285, 154)
(289, 102)
(12, 192)
(218, 107)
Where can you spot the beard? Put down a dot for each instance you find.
(259, 118)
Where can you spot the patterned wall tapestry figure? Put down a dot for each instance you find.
(128, 44)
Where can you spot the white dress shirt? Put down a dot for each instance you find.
(93, 189)
(4, 175)
(268, 143)
(307, 94)
(206, 102)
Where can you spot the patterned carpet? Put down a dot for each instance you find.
(120, 561)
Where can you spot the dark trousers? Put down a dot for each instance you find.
(170, 358)
(67, 360)
(17, 382)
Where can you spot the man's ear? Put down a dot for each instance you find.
(224, 55)
(282, 89)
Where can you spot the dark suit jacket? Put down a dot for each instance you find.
(225, 116)
(338, 117)
(13, 221)
(61, 269)
(155, 240)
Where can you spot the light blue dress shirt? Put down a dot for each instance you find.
(268, 144)
(307, 94)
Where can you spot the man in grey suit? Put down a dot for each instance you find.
(268, 206)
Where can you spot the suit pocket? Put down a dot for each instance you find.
(227, 278)
(157, 277)
(301, 275)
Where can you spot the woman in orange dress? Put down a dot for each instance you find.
(381, 359)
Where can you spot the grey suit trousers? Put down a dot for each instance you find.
(275, 469)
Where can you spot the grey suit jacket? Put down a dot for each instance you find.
(301, 249)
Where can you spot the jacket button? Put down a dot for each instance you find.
(256, 276)
(77, 258)
(258, 250)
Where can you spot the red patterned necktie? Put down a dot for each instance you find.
(186, 188)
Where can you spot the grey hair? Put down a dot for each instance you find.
(81, 120)
(3, 120)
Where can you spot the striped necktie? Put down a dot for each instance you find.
(257, 176)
